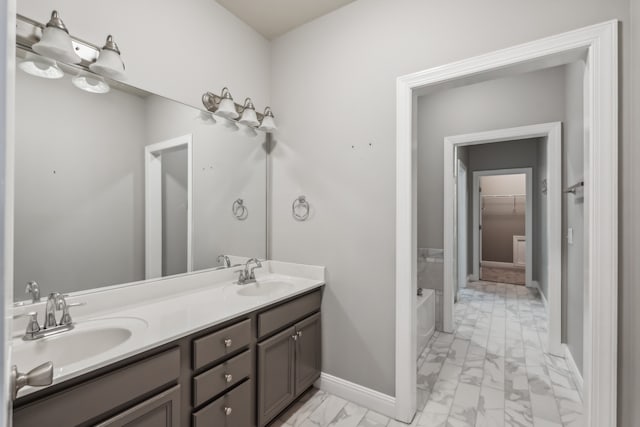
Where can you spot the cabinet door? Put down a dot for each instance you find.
(308, 352)
(276, 384)
(162, 410)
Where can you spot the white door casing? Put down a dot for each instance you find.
(153, 204)
(598, 44)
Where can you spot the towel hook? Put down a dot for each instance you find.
(300, 208)
(239, 210)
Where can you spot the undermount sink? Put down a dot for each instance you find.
(85, 341)
(263, 288)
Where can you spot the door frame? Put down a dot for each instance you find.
(598, 45)
(153, 203)
(476, 206)
(462, 231)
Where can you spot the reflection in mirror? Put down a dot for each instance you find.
(88, 163)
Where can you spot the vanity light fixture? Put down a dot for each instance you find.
(223, 106)
(226, 106)
(40, 66)
(90, 83)
(249, 116)
(56, 42)
(109, 62)
(268, 123)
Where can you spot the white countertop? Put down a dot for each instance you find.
(158, 312)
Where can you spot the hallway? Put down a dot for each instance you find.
(491, 372)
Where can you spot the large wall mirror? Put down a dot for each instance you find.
(124, 186)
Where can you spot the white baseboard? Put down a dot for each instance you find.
(498, 264)
(577, 376)
(371, 399)
(536, 285)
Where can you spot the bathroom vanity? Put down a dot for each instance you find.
(243, 370)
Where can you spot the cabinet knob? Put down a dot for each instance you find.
(228, 377)
(294, 337)
(227, 410)
(299, 334)
(228, 342)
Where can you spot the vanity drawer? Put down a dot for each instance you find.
(80, 404)
(288, 313)
(216, 380)
(234, 409)
(215, 346)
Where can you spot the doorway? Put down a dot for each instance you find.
(168, 207)
(503, 225)
(597, 44)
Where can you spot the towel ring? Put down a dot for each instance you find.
(300, 204)
(239, 210)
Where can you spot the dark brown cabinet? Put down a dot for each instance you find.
(308, 353)
(162, 410)
(288, 364)
(276, 374)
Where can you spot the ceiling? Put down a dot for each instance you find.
(272, 18)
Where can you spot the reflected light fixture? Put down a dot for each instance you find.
(109, 62)
(268, 123)
(227, 107)
(40, 66)
(207, 118)
(90, 83)
(56, 42)
(249, 117)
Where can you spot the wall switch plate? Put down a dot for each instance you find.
(570, 236)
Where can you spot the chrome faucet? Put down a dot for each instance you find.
(226, 262)
(50, 311)
(51, 326)
(33, 289)
(248, 275)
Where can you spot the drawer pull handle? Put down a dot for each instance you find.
(228, 342)
(228, 377)
(227, 410)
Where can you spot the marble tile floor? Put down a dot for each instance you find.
(492, 372)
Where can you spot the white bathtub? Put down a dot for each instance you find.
(426, 306)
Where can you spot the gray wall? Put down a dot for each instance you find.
(502, 217)
(573, 214)
(79, 186)
(175, 214)
(343, 68)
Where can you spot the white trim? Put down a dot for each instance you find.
(575, 372)
(542, 296)
(153, 203)
(507, 265)
(600, 42)
(479, 138)
(363, 396)
(7, 184)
